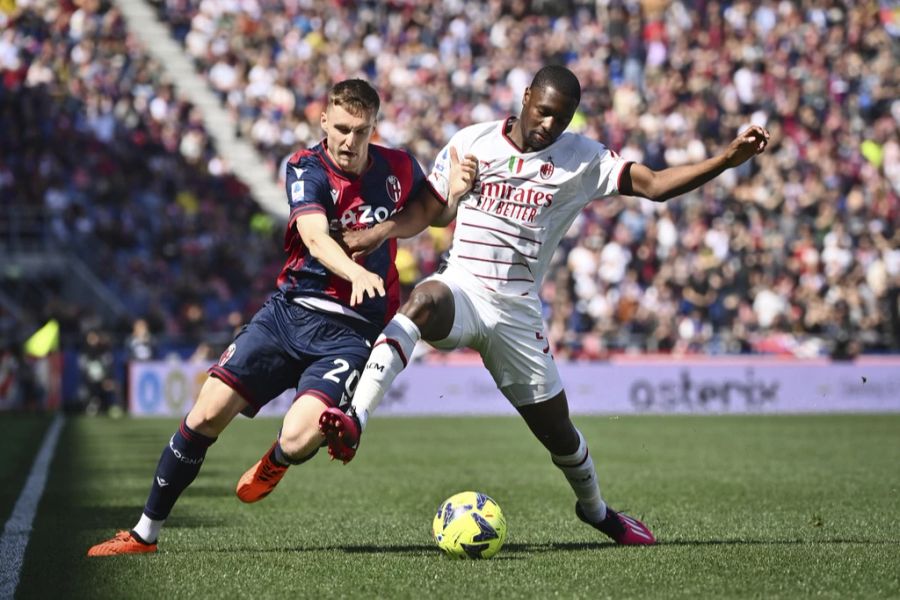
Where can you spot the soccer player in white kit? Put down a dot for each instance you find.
(532, 180)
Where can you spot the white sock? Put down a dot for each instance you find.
(389, 356)
(579, 471)
(148, 528)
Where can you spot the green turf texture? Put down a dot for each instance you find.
(757, 506)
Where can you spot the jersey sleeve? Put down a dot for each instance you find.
(417, 177)
(307, 186)
(603, 177)
(439, 178)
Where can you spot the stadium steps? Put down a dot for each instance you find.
(240, 154)
(30, 278)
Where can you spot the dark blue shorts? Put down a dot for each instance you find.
(287, 346)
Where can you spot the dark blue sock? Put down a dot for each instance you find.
(178, 466)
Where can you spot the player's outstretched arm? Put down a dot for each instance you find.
(639, 180)
(313, 230)
(424, 209)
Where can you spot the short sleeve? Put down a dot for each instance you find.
(417, 175)
(307, 186)
(439, 178)
(602, 177)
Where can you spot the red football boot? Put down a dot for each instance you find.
(341, 431)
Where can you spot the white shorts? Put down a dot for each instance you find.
(507, 332)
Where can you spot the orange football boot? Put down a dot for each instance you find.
(124, 542)
(260, 479)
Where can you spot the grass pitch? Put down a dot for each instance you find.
(742, 507)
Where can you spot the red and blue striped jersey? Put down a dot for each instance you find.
(316, 184)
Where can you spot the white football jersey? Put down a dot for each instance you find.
(509, 225)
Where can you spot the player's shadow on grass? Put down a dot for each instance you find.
(509, 552)
(508, 549)
(795, 542)
(518, 551)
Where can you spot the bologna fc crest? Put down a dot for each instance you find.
(392, 184)
(229, 352)
(547, 169)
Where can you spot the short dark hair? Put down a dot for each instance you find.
(560, 79)
(355, 96)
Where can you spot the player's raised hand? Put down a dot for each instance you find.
(360, 242)
(365, 282)
(749, 143)
(462, 173)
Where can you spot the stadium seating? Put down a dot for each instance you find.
(794, 253)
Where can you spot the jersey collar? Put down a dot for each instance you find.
(507, 125)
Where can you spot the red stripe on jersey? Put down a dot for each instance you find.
(437, 194)
(496, 246)
(499, 262)
(307, 208)
(296, 155)
(503, 232)
(401, 166)
(234, 383)
(502, 278)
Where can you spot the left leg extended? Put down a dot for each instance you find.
(549, 421)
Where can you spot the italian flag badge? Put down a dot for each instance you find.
(515, 164)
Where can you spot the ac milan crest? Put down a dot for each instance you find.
(392, 184)
(547, 169)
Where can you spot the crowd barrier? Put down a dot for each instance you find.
(732, 385)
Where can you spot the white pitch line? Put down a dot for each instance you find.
(17, 530)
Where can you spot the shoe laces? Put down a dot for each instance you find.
(270, 470)
(123, 536)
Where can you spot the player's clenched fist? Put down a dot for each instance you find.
(750, 142)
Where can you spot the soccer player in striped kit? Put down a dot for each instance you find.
(533, 179)
(315, 334)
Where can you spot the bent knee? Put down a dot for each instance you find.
(422, 304)
(300, 443)
(430, 307)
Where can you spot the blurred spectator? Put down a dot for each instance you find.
(99, 390)
(141, 345)
(787, 254)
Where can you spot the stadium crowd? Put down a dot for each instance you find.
(127, 178)
(797, 252)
